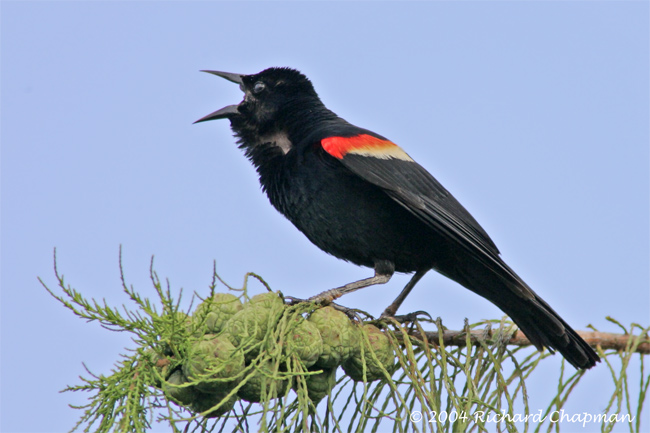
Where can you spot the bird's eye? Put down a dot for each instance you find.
(258, 87)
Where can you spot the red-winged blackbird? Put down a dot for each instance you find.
(361, 198)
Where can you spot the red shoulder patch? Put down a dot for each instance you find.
(363, 144)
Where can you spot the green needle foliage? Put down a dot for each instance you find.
(236, 363)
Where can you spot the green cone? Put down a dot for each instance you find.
(258, 387)
(319, 385)
(305, 342)
(183, 395)
(249, 326)
(205, 401)
(340, 336)
(213, 313)
(210, 361)
(268, 299)
(380, 344)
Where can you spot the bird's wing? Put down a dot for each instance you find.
(383, 163)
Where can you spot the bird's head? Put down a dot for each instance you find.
(269, 97)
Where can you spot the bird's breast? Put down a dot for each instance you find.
(344, 215)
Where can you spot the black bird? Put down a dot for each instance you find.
(360, 197)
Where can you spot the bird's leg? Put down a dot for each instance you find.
(392, 308)
(384, 270)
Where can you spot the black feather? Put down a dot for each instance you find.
(382, 212)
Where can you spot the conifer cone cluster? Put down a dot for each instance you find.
(259, 350)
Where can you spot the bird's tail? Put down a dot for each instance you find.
(541, 324)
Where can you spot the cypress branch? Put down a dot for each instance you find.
(237, 363)
(604, 340)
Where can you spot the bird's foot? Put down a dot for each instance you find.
(291, 300)
(325, 298)
(408, 318)
(353, 313)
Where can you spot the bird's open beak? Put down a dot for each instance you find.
(230, 110)
(235, 78)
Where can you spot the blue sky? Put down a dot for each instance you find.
(533, 114)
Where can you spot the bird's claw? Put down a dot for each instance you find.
(291, 300)
(410, 317)
(319, 300)
(353, 314)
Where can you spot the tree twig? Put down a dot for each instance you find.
(606, 340)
